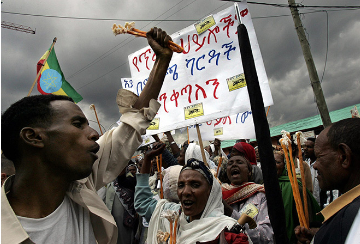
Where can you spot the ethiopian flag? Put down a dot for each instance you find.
(52, 80)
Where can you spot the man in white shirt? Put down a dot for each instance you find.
(60, 165)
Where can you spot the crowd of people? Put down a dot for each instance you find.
(68, 185)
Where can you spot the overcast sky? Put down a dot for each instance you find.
(93, 60)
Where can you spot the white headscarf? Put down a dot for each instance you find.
(170, 181)
(212, 146)
(207, 228)
(194, 151)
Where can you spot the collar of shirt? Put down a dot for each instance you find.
(340, 202)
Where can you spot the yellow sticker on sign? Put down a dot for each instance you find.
(194, 110)
(204, 24)
(250, 210)
(236, 82)
(218, 131)
(154, 124)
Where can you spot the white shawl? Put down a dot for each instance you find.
(207, 228)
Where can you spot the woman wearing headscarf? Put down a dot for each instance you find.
(201, 212)
(246, 150)
(242, 196)
(291, 216)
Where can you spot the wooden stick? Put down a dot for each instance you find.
(161, 179)
(39, 73)
(267, 112)
(187, 128)
(201, 145)
(292, 182)
(174, 232)
(157, 163)
(171, 232)
(219, 166)
(303, 182)
(93, 107)
(297, 192)
(172, 45)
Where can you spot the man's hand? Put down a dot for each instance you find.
(159, 42)
(157, 149)
(304, 235)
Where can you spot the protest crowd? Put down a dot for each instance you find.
(70, 185)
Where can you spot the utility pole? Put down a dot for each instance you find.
(314, 78)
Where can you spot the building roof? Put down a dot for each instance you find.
(311, 122)
(302, 124)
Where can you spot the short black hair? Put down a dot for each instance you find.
(345, 131)
(29, 111)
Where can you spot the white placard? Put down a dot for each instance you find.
(239, 126)
(206, 81)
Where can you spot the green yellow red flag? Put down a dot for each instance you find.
(52, 80)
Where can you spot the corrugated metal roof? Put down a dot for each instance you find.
(311, 122)
(302, 124)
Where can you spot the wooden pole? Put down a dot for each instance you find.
(310, 64)
(92, 106)
(39, 73)
(187, 129)
(201, 145)
(267, 112)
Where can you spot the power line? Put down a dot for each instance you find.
(344, 7)
(260, 17)
(110, 51)
(86, 18)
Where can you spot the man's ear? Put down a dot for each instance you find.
(345, 155)
(3, 178)
(32, 136)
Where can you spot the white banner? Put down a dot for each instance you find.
(239, 126)
(206, 81)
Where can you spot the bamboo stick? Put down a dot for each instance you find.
(291, 182)
(219, 166)
(131, 30)
(297, 191)
(92, 106)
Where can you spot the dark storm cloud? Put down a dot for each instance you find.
(94, 60)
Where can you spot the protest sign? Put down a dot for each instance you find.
(238, 126)
(206, 81)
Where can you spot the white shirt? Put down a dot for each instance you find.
(69, 223)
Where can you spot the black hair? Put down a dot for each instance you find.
(29, 111)
(345, 131)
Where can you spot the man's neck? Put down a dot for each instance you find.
(36, 197)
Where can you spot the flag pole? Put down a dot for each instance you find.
(38, 74)
(92, 106)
